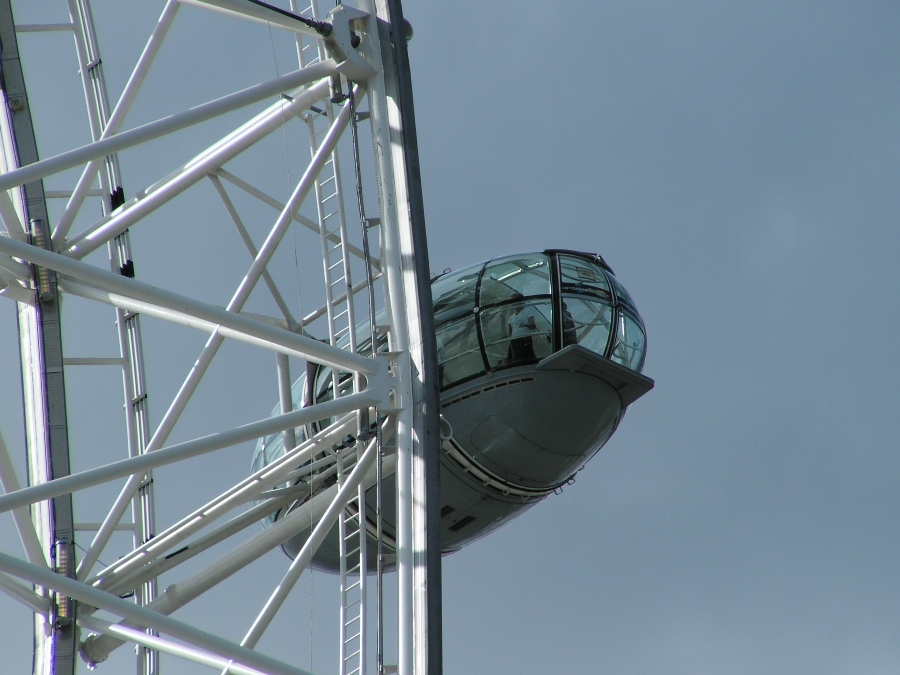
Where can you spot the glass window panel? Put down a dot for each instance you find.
(505, 278)
(587, 323)
(459, 356)
(517, 333)
(582, 276)
(325, 390)
(623, 296)
(630, 343)
(270, 449)
(454, 294)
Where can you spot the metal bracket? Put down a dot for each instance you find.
(343, 41)
(385, 383)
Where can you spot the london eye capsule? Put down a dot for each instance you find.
(539, 356)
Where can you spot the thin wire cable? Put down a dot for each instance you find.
(289, 183)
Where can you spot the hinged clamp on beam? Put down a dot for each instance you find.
(343, 41)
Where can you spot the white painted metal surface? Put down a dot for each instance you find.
(210, 174)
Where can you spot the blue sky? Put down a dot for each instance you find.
(736, 164)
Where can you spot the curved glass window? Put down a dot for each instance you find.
(459, 355)
(586, 323)
(622, 295)
(583, 276)
(325, 390)
(520, 309)
(630, 342)
(454, 294)
(509, 278)
(517, 332)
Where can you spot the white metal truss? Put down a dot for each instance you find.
(222, 194)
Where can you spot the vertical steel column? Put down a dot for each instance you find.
(40, 343)
(424, 462)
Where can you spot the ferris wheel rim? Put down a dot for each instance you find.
(79, 278)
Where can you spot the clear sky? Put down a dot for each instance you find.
(736, 164)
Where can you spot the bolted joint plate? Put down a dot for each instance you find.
(386, 383)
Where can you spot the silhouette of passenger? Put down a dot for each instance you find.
(522, 326)
(570, 336)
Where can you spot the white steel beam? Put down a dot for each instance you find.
(212, 346)
(10, 483)
(216, 535)
(299, 217)
(167, 646)
(167, 125)
(147, 618)
(15, 291)
(195, 170)
(132, 294)
(9, 216)
(186, 391)
(406, 260)
(152, 460)
(179, 594)
(285, 396)
(257, 12)
(16, 270)
(346, 493)
(117, 117)
(248, 488)
(251, 247)
(36, 603)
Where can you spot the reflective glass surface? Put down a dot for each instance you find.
(271, 448)
(622, 295)
(586, 323)
(508, 278)
(518, 332)
(629, 347)
(325, 390)
(459, 355)
(583, 276)
(454, 294)
(500, 314)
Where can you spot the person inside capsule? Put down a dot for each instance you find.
(522, 325)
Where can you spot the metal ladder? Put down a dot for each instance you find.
(130, 358)
(341, 331)
(128, 323)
